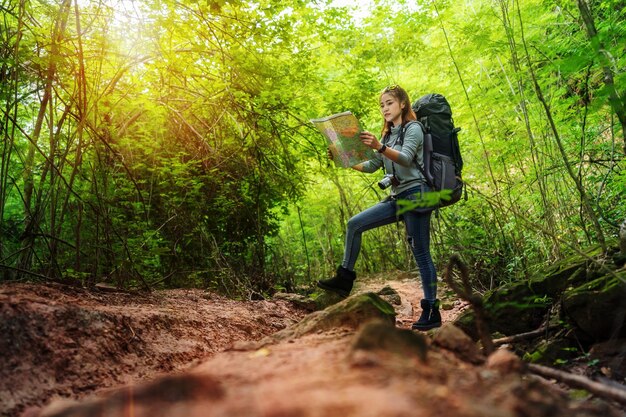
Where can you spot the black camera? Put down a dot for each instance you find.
(388, 180)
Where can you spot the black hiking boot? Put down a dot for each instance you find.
(430, 317)
(341, 283)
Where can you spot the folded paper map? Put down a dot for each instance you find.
(342, 131)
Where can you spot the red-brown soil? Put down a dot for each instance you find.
(191, 353)
(59, 341)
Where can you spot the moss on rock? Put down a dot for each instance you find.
(521, 306)
(351, 312)
(598, 307)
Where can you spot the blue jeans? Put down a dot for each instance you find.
(417, 226)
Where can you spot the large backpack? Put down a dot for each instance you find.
(443, 163)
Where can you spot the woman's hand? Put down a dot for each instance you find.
(370, 140)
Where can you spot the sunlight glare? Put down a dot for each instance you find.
(359, 9)
(362, 9)
(127, 24)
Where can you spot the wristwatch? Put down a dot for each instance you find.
(382, 149)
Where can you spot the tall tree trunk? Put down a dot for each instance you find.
(584, 197)
(497, 194)
(548, 212)
(9, 118)
(33, 214)
(618, 104)
(58, 210)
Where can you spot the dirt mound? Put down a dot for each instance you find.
(68, 342)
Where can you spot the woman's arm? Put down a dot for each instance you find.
(369, 166)
(358, 167)
(413, 140)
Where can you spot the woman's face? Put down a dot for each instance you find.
(391, 109)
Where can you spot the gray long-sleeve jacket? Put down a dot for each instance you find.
(411, 154)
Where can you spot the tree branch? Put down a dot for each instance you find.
(579, 381)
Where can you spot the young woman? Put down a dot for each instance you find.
(399, 159)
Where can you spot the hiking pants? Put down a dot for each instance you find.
(417, 224)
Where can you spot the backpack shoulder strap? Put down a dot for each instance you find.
(405, 126)
(427, 149)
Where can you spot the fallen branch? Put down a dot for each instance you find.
(579, 381)
(523, 336)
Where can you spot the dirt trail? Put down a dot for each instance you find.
(190, 353)
(58, 341)
(410, 291)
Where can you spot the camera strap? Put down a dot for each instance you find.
(385, 141)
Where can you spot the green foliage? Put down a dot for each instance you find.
(169, 145)
(429, 199)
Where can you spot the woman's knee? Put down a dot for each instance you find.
(418, 246)
(355, 224)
